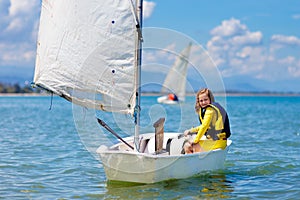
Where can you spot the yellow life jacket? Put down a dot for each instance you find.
(219, 128)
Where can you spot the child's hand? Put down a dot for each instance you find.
(186, 132)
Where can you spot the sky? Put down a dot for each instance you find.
(254, 43)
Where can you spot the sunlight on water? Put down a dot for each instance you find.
(42, 156)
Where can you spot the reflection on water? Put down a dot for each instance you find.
(203, 186)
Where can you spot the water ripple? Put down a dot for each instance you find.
(42, 156)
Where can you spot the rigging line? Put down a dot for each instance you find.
(51, 101)
(137, 23)
(137, 110)
(102, 123)
(33, 85)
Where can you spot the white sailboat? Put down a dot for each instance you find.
(175, 82)
(89, 52)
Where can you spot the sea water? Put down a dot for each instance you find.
(44, 155)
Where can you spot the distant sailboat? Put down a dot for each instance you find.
(175, 82)
(89, 52)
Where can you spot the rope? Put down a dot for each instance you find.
(51, 101)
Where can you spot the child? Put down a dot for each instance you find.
(214, 125)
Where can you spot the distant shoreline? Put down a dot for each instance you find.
(234, 94)
(159, 94)
(23, 94)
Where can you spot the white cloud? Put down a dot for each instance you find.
(229, 28)
(148, 7)
(285, 40)
(19, 21)
(21, 15)
(21, 54)
(26, 7)
(15, 25)
(294, 68)
(249, 38)
(238, 51)
(159, 57)
(19, 25)
(282, 43)
(296, 16)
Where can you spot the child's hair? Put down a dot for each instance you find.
(208, 93)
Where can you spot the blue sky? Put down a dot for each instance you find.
(255, 44)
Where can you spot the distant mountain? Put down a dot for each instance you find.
(249, 84)
(151, 82)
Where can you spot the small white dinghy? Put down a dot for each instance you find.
(89, 53)
(175, 82)
(160, 159)
(167, 100)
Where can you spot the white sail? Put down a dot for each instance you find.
(76, 43)
(175, 81)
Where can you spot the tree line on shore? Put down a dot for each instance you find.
(17, 88)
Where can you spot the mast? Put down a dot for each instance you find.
(139, 11)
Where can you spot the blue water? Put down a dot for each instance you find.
(43, 153)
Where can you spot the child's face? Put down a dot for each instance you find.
(203, 100)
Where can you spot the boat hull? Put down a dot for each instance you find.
(166, 100)
(149, 167)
